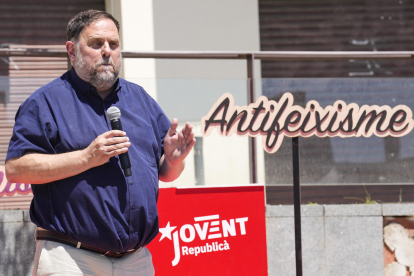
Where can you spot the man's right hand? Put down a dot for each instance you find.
(105, 146)
(39, 168)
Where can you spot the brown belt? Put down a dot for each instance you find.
(42, 234)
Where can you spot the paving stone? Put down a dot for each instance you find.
(354, 246)
(18, 248)
(398, 209)
(281, 246)
(288, 211)
(353, 210)
(11, 216)
(26, 216)
(312, 210)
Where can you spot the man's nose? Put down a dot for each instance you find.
(106, 50)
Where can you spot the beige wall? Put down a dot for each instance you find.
(214, 25)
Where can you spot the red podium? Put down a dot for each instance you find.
(211, 231)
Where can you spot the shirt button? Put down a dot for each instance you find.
(133, 206)
(131, 182)
(132, 229)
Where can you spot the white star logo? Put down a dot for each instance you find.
(166, 231)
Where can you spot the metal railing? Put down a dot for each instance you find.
(267, 55)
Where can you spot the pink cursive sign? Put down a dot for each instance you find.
(273, 120)
(11, 189)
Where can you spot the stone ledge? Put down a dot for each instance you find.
(26, 216)
(287, 211)
(11, 216)
(353, 210)
(397, 209)
(347, 210)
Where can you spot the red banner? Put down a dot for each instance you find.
(211, 231)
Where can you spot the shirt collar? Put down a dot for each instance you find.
(86, 88)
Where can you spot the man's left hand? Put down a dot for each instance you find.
(177, 145)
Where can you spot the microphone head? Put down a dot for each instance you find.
(113, 113)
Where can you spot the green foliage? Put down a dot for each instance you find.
(368, 200)
(400, 197)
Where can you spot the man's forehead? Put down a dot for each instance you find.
(103, 28)
(99, 37)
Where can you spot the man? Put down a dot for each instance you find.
(92, 219)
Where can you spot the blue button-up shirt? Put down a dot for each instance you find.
(99, 207)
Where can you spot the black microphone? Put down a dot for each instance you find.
(114, 115)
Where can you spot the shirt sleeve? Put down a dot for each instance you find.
(34, 130)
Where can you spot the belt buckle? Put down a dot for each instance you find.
(121, 254)
(118, 254)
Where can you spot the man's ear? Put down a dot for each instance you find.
(71, 49)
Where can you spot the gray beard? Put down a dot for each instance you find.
(101, 80)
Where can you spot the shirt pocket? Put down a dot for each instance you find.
(143, 140)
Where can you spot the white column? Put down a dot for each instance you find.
(137, 31)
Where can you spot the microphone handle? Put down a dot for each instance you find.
(123, 157)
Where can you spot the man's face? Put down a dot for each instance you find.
(98, 54)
